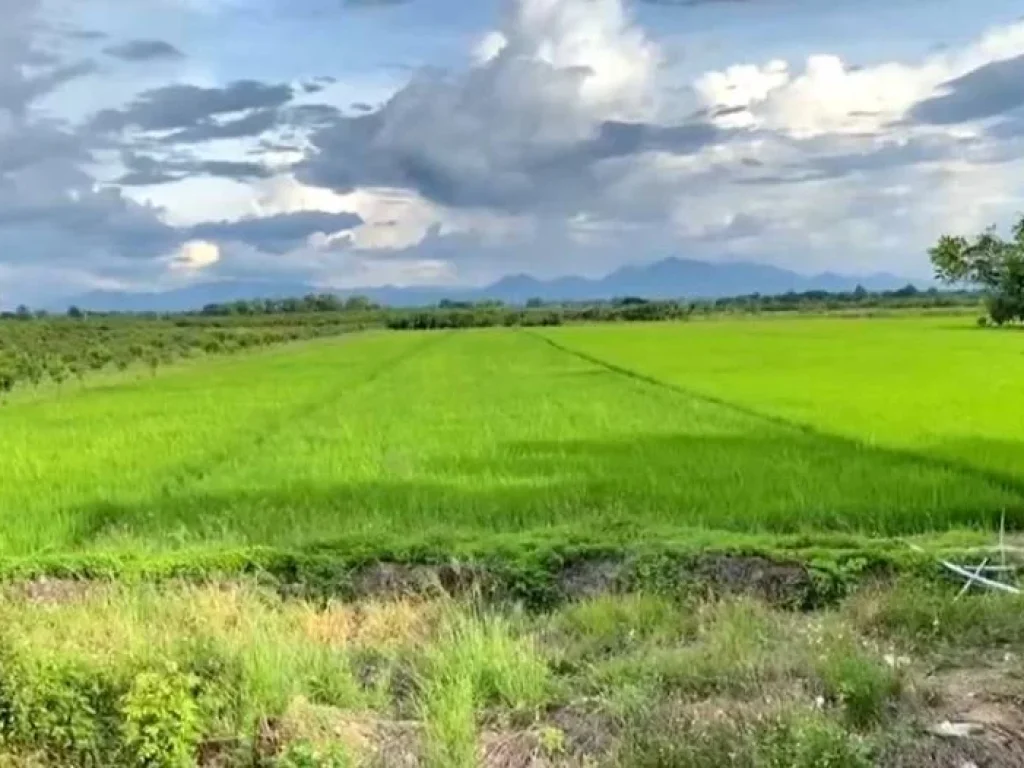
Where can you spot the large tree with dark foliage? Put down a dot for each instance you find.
(989, 262)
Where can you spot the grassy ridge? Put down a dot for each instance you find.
(452, 438)
(232, 675)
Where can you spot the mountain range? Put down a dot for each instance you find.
(666, 279)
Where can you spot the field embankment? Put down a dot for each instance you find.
(233, 675)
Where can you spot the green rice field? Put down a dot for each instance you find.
(877, 427)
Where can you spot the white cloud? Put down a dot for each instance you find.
(195, 256)
(564, 146)
(518, 129)
(829, 96)
(594, 35)
(488, 47)
(800, 173)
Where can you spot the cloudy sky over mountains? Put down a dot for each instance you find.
(147, 144)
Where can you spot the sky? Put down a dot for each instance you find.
(147, 145)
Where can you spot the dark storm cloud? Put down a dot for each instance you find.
(349, 157)
(317, 84)
(93, 220)
(50, 207)
(88, 35)
(143, 170)
(276, 234)
(373, 3)
(692, 3)
(53, 211)
(987, 91)
(143, 50)
(43, 143)
(832, 157)
(18, 91)
(183, 106)
(233, 169)
(256, 123)
(491, 137)
(617, 139)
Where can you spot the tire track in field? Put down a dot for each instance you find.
(100, 517)
(1006, 482)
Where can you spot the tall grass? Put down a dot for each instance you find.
(147, 675)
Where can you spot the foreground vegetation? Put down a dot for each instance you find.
(233, 675)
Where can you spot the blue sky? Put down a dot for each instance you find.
(149, 144)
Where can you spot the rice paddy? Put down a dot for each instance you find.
(877, 427)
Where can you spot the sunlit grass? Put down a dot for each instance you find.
(882, 427)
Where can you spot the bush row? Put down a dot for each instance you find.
(54, 350)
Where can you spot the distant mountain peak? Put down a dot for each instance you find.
(673, 277)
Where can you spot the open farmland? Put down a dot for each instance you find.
(814, 426)
(565, 547)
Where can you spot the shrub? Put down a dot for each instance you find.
(66, 710)
(305, 755)
(813, 741)
(862, 685)
(922, 616)
(162, 721)
(675, 738)
(613, 623)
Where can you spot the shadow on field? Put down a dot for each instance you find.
(772, 481)
(778, 480)
(997, 462)
(1000, 461)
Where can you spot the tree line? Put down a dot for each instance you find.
(987, 262)
(38, 348)
(536, 312)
